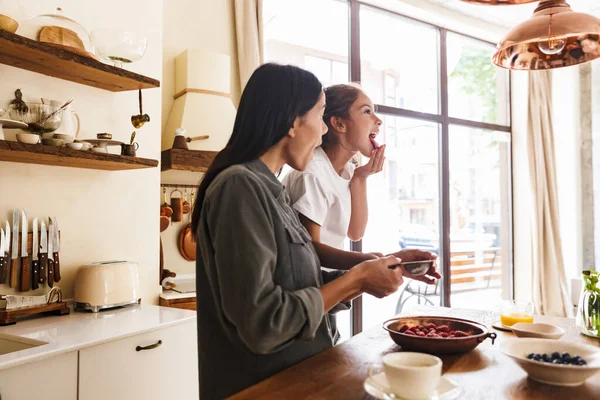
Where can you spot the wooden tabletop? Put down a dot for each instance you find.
(483, 374)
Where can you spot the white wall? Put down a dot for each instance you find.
(200, 24)
(102, 215)
(207, 25)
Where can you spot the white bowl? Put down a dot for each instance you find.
(28, 138)
(74, 146)
(86, 145)
(553, 374)
(537, 330)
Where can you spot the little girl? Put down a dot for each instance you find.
(331, 194)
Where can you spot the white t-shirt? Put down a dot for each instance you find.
(323, 196)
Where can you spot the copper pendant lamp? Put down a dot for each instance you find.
(554, 37)
(499, 2)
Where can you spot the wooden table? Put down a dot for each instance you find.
(483, 374)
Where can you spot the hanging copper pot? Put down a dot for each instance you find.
(165, 209)
(187, 245)
(187, 207)
(177, 206)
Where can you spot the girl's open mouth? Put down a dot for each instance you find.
(373, 141)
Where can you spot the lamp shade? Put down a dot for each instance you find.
(202, 103)
(554, 37)
(499, 2)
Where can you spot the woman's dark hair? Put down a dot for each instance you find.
(338, 99)
(273, 98)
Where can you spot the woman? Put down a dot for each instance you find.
(262, 304)
(331, 195)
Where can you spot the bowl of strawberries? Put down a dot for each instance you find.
(437, 335)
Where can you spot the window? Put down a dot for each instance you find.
(446, 122)
(391, 63)
(292, 35)
(329, 71)
(477, 89)
(451, 155)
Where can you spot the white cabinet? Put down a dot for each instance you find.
(161, 364)
(52, 379)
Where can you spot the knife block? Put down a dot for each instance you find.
(9, 317)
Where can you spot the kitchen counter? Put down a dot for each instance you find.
(84, 329)
(168, 294)
(483, 374)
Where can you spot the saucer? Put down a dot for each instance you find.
(12, 124)
(501, 327)
(377, 386)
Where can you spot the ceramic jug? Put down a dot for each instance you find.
(71, 123)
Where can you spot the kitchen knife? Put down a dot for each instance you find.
(35, 263)
(25, 271)
(14, 252)
(2, 266)
(4, 277)
(43, 253)
(56, 249)
(50, 255)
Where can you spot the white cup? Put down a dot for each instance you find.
(412, 376)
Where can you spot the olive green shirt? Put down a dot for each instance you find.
(257, 276)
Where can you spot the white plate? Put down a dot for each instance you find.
(377, 386)
(12, 124)
(553, 374)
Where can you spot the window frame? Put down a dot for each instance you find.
(445, 121)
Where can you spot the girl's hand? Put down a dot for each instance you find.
(374, 165)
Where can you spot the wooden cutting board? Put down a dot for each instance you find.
(63, 37)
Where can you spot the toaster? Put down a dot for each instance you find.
(106, 284)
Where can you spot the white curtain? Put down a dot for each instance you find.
(249, 34)
(550, 293)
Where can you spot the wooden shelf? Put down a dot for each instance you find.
(65, 157)
(21, 52)
(186, 160)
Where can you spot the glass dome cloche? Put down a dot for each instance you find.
(58, 30)
(119, 47)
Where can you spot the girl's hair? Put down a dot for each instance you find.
(273, 98)
(339, 99)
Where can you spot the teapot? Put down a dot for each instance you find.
(69, 119)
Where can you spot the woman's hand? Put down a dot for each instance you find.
(420, 255)
(376, 278)
(374, 165)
